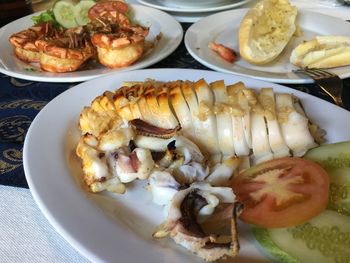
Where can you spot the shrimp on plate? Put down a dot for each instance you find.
(23, 42)
(66, 53)
(118, 42)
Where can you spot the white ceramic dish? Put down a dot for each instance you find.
(175, 7)
(223, 28)
(157, 20)
(118, 228)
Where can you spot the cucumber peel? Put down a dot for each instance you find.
(335, 155)
(263, 237)
(325, 238)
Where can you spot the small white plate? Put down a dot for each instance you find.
(223, 28)
(157, 20)
(193, 9)
(118, 228)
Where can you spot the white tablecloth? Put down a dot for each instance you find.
(26, 235)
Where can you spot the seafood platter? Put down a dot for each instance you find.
(86, 40)
(208, 166)
(209, 159)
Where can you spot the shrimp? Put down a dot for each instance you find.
(226, 53)
(23, 42)
(66, 53)
(120, 47)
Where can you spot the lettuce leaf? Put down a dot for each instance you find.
(46, 16)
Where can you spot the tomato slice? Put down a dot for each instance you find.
(107, 8)
(282, 192)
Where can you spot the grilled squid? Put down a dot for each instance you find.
(183, 227)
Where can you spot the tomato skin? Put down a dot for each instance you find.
(296, 194)
(100, 8)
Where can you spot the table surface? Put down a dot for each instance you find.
(20, 102)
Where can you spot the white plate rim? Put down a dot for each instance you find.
(195, 29)
(172, 35)
(62, 211)
(224, 6)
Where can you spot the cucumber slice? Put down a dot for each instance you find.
(64, 13)
(81, 11)
(325, 238)
(339, 191)
(334, 155)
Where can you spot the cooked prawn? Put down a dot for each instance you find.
(23, 42)
(122, 47)
(225, 52)
(114, 11)
(66, 53)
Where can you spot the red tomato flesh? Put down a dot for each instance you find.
(282, 192)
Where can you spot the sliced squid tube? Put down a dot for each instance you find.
(181, 110)
(238, 112)
(146, 112)
(241, 99)
(276, 140)
(206, 129)
(167, 115)
(224, 128)
(223, 118)
(192, 102)
(131, 94)
(294, 126)
(159, 106)
(136, 112)
(220, 92)
(260, 140)
(239, 140)
(152, 103)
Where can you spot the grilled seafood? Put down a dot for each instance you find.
(23, 42)
(188, 139)
(109, 34)
(120, 47)
(224, 126)
(114, 11)
(66, 53)
(185, 207)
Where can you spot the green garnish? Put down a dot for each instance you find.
(47, 16)
(30, 69)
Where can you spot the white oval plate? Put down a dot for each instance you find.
(192, 9)
(158, 21)
(223, 28)
(118, 228)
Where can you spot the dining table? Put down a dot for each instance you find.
(25, 233)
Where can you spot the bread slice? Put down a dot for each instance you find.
(322, 52)
(265, 30)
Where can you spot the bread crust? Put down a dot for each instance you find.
(265, 31)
